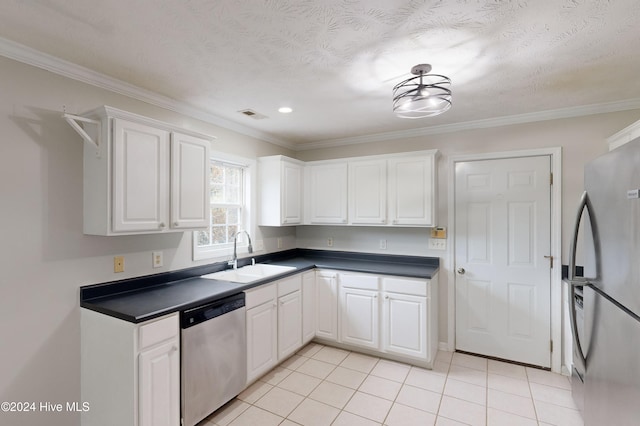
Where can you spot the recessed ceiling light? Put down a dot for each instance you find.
(285, 110)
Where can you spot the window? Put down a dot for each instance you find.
(230, 208)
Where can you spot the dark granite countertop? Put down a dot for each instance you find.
(141, 299)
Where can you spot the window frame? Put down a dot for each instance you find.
(221, 252)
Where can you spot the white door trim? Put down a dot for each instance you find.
(556, 242)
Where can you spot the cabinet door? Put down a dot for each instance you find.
(140, 177)
(326, 193)
(368, 192)
(405, 325)
(291, 198)
(289, 324)
(411, 191)
(327, 305)
(262, 335)
(159, 385)
(308, 306)
(359, 317)
(190, 168)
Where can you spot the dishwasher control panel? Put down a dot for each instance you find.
(211, 310)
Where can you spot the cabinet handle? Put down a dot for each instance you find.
(386, 297)
(176, 224)
(275, 305)
(173, 349)
(161, 225)
(344, 220)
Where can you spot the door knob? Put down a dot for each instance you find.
(461, 271)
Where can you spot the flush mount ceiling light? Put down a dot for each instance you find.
(285, 110)
(424, 95)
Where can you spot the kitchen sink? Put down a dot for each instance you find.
(249, 273)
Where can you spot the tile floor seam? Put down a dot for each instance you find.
(443, 388)
(533, 402)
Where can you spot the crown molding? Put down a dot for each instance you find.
(29, 56)
(532, 117)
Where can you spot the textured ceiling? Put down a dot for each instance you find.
(335, 62)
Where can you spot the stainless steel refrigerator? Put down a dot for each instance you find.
(606, 328)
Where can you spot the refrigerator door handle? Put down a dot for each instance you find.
(573, 282)
(574, 241)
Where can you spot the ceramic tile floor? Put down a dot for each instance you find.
(321, 385)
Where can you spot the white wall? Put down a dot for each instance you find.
(581, 139)
(44, 257)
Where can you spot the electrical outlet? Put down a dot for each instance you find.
(330, 242)
(383, 244)
(118, 264)
(156, 259)
(279, 242)
(437, 243)
(259, 245)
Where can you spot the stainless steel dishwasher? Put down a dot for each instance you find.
(214, 356)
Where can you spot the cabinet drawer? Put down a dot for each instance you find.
(289, 285)
(259, 295)
(414, 287)
(158, 331)
(364, 282)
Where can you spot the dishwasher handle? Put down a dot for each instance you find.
(203, 313)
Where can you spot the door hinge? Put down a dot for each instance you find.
(550, 260)
(551, 179)
(551, 345)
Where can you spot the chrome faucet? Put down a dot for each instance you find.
(234, 261)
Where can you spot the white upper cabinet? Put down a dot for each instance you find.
(326, 193)
(280, 186)
(140, 177)
(190, 192)
(412, 189)
(368, 192)
(144, 177)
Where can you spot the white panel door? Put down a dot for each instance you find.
(190, 167)
(368, 192)
(308, 306)
(262, 336)
(503, 277)
(289, 324)
(404, 325)
(159, 386)
(412, 190)
(326, 193)
(291, 193)
(327, 305)
(359, 317)
(140, 177)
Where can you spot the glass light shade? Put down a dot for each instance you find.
(424, 95)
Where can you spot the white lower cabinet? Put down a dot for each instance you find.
(308, 306)
(289, 316)
(262, 330)
(359, 307)
(387, 315)
(404, 324)
(130, 372)
(158, 371)
(274, 324)
(327, 305)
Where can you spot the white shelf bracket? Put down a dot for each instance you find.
(73, 122)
